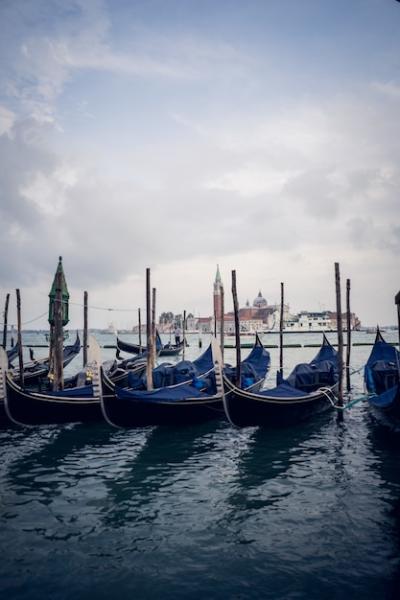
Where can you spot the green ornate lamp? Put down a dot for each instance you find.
(59, 280)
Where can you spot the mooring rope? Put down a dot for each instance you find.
(349, 404)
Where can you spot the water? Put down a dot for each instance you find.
(202, 512)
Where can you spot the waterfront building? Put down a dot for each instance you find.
(263, 317)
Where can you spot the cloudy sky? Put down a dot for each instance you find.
(178, 134)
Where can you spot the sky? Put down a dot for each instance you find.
(263, 136)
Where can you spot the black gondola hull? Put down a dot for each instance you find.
(26, 408)
(130, 413)
(4, 420)
(249, 409)
(172, 350)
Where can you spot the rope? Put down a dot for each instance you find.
(356, 370)
(349, 404)
(30, 320)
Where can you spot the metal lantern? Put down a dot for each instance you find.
(59, 280)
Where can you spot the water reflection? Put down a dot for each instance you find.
(385, 445)
(165, 460)
(203, 511)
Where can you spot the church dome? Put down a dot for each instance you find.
(260, 301)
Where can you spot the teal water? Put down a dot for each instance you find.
(202, 512)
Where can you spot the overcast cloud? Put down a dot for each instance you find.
(261, 136)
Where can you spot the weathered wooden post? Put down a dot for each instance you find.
(184, 334)
(340, 338)
(397, 302)
(19, 337)
(149, 356)
(51, 346)
(281, 332)
(153, 328)
(5, 320)
(58, 318)
(140, 331)
(348, 341)
(222, 332)
(58, 382)
(237, 329)
(85, 328)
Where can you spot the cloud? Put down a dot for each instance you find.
(7, 119)
(172, 168)
(388, 88)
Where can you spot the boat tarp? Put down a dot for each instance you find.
(284, 390)
(385, 399)
(179, 393)
(382, 370)
(253, 368)
(83, 391)
(385, 375)
(259, 359)
(310, 376)
(205, 361)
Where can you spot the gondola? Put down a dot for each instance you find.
(197, 400)
(164, 374)
(162, 349)
(382, 382)
(69, 405)
(38, 369)
(310, 388)
(189, 392)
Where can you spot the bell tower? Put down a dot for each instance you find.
(217, 295)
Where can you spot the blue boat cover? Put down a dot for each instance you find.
(310, 376)
(167, 374)
(205, 361)
(253, 368)
(381, 373)
(385, 399)
(307, 378)
(321, 371)
(170, 394)
(284, 390)
(84, 391)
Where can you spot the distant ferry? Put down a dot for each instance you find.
(309, 322)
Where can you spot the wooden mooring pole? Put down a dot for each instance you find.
(58, 381)
(184, 334)
(340, 338)
(19, 337)
(281, 331)
(153, 328)
(5, 321)
(397, 302)
(149, 357)
(85, 327)
(222, 332)
(348, 332)
(140, 330)
(237, 329)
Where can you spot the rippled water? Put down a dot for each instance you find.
(202, 512)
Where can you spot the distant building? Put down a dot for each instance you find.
(262, 317)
